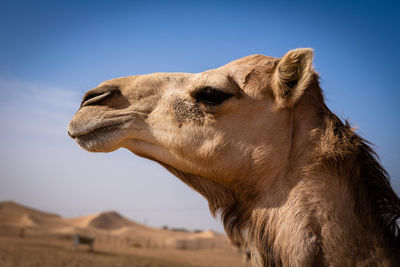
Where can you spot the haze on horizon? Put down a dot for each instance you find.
(52, 52)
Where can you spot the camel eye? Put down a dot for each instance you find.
(210, 96)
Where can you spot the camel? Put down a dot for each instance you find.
(291, 182)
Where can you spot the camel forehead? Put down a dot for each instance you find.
(153, 79)
(218, 77)
(250, 60)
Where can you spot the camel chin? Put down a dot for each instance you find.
(101, 142)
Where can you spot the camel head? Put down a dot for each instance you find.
(223, 124)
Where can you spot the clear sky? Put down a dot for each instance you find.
(51, 52)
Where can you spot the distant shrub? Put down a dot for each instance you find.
(136, 245)
(180, 230)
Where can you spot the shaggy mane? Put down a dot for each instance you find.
(350, 156)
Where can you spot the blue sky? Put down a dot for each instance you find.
(53, 51)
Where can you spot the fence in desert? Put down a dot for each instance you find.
(85, 240)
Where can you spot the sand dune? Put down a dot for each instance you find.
(106, 226)
(12, 213)
(109, 220)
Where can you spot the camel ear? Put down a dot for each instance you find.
(292, 76)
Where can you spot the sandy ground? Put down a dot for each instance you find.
(30, 237)
(24, 252)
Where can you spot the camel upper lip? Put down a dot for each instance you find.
(90, 128)
(83, 129)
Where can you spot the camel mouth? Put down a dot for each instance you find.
(98, 136)
(104, 134)
(100, 139)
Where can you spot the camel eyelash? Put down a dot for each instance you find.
(210, 96)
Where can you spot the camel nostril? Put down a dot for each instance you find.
(70, 135)
(93, 97)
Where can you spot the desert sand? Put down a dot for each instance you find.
(30, 237)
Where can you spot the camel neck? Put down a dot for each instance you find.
(313, 207)
(315, 218)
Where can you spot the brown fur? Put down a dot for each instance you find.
(291, 182)
(340, 150)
